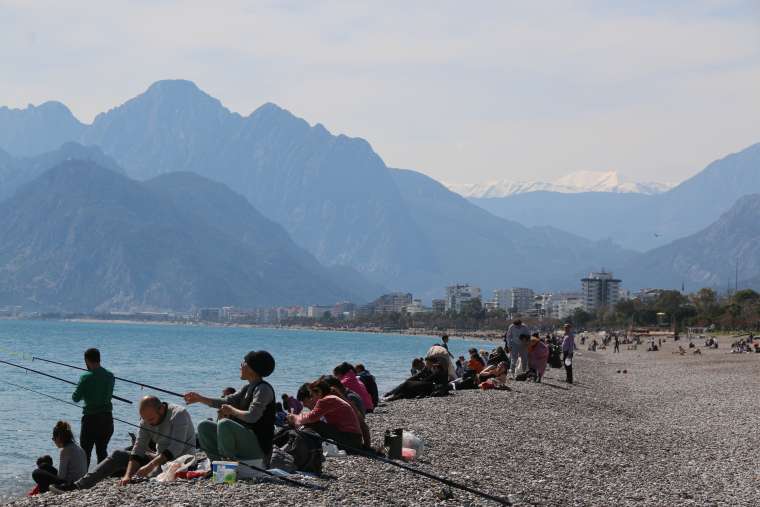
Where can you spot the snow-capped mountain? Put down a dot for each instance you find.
(573, 183)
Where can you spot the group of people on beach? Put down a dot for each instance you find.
(524, 356)
(243, 431)
(250, 421)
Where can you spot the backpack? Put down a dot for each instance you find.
(304, 445)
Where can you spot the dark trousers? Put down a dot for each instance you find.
(568, 369)
(617, 347)
(115, 464)
(412, 389)
(96, 432)
(44, 478)
(351, 440)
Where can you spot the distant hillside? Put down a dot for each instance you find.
(83, 238)
(709, 257)
(637, 221)
(15, 172)
(37, 129)
(335, 196)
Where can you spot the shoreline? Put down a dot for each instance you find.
(650, 436)
(491, 336)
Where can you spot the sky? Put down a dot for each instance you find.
(462, 91)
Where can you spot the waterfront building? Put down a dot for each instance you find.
(458, 294)
(599, 290)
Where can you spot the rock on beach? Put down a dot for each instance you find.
(675, 430)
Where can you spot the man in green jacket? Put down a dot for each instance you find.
(96, 389)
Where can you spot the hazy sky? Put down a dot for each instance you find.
(462, 91)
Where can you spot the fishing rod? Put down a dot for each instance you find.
(383, 459)
(57, 378)
(254, 467)
(35, 358)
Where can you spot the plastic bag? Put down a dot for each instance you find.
(412, 441)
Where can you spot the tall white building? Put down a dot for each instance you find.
(458, 294)
(599, 290)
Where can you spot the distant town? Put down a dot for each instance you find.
(601, 299)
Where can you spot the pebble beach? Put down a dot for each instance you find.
(673, 430)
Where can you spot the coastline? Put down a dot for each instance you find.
(659, 434)
(486, 335)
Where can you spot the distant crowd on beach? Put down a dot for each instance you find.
(255, 429)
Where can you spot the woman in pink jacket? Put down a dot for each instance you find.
(347, 375)
(538, 355)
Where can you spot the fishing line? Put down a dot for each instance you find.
(382, 459)
(35, 358)
(360, 452)
(56, 378)
(254, 467)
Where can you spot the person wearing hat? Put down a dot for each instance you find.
(246, 418)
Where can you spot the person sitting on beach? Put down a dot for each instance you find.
(433, 378)
(346, 373)
(280, 416)
(497, 356)
(475, 363)
(484, 356)
(494, 377)
(418, 364)
(329, 415)
(338, 389)
(247, 429)
(441, 356)
(291, 404)
(169, 426)
(492, 371)
(369, 382)
(459, 367)
(72, 462)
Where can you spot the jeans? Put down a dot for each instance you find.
(228, 439)
(115, 464)
(96, 432)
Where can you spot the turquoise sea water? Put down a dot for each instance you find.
(177, 358)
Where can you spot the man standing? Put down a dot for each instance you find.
(167, 425)
(617, 344)
(568, 348)
(96, 389)
(516, 345)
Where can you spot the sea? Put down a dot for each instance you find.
(178, 358)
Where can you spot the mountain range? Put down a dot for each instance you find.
(717, 256)
(81, 237)
(339, 213)
(636, 221)
(333, 194)
(573, 183)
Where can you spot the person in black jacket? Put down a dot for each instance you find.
(432, 378)
(368, 380)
